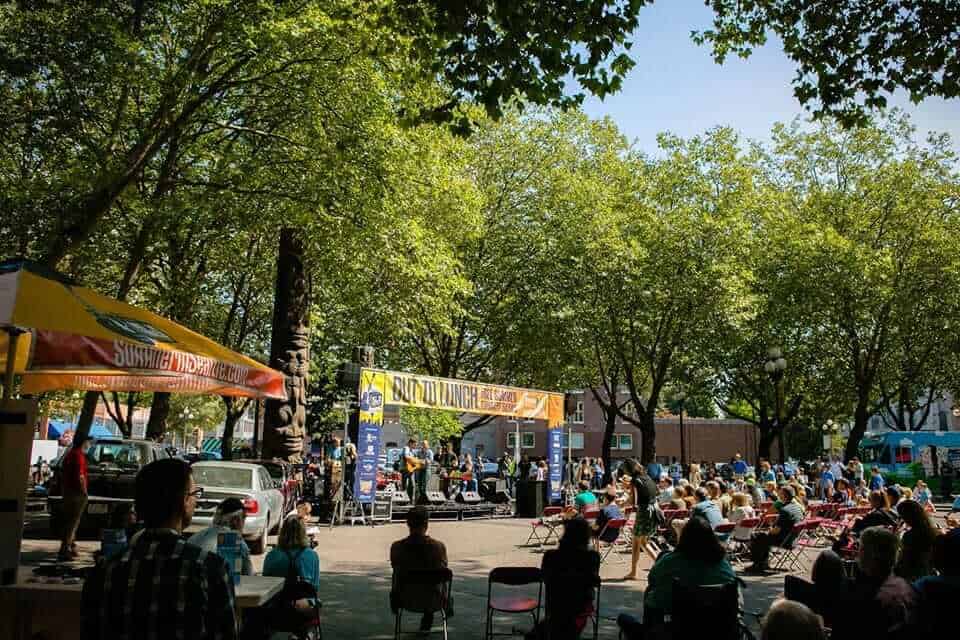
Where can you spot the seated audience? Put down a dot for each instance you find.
(665, 494)
(916, 545)
(229, 517)
(878, 605)
(609, 511)
(787, 620)
(881, 516)
(741, 510)
(698, 559)
(677, 500)
(419, 551)
(937, 596)
(921, 493)
(569, 595)
(830, 579)
(585, 497)
(293, 556)
(161, 587)
(705, 508)
(791, 513)
(689, 496)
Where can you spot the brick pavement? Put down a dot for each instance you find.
(355, 576)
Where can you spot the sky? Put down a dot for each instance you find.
(676, 86)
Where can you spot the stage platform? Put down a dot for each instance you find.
(451, 510)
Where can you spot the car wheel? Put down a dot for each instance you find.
(258, 545)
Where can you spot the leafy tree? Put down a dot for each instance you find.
(865, 220)
(431, 424)
(850, 54)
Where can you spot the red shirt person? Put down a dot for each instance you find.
(73, 480)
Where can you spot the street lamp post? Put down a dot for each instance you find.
(681, 397)
(775, 366)
(829, 429)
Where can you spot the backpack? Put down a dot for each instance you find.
(286, 617)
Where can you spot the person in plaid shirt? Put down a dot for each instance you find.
(161, 587)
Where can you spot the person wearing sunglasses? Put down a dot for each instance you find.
(162, 586)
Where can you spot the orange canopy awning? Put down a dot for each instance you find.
(78, 339)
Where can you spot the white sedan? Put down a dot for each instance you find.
(260, 494)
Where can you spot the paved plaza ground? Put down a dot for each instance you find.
(355, 576)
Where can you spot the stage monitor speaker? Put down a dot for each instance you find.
(401, 497)
(530, 499)
(436, 497)
(468, 497)
(500, 497)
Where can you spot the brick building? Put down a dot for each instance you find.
(706, 438)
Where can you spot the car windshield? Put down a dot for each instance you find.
(121, 454)
(872, 453)
(222, 476)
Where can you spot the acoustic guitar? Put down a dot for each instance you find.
(415, 465)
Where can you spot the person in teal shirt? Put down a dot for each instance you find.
(293, 552)
(585, 497)
(699, 559)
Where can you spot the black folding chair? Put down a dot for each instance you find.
(421, 591)
(708, 611)
(557, 599)
(513, 604)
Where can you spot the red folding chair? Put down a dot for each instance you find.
(767, 521)
(513, 603)
(739, 547)
(606, 548)
(543, 523)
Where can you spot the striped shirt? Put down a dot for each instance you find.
(161, 587)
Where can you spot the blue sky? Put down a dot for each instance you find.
(676, 86)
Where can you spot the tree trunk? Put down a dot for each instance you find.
(609, 427)
(289, 352)
(861, 417)
(765, 442)
(90, 401)
(159, 410)
(226, 444)
(648, 436)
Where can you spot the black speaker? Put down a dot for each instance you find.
(401, 497)
(436, 497)
(530, 500)
(488, 487)
(468, 497)
(500, 497)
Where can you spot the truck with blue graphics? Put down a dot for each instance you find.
(912, 454)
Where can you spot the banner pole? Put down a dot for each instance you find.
(13, 336)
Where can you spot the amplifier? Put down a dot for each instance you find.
(468, 497)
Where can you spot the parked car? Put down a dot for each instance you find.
(112, 467)
(285, 473)
(260, 494)
(201, 456)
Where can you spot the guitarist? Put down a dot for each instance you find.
(411, 463)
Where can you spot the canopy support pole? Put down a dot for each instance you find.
(13, 336)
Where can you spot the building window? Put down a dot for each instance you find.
(576, 441)
(578, 413)
(527, 440)
(622, 442)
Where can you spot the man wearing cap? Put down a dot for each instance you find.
(229, 517)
